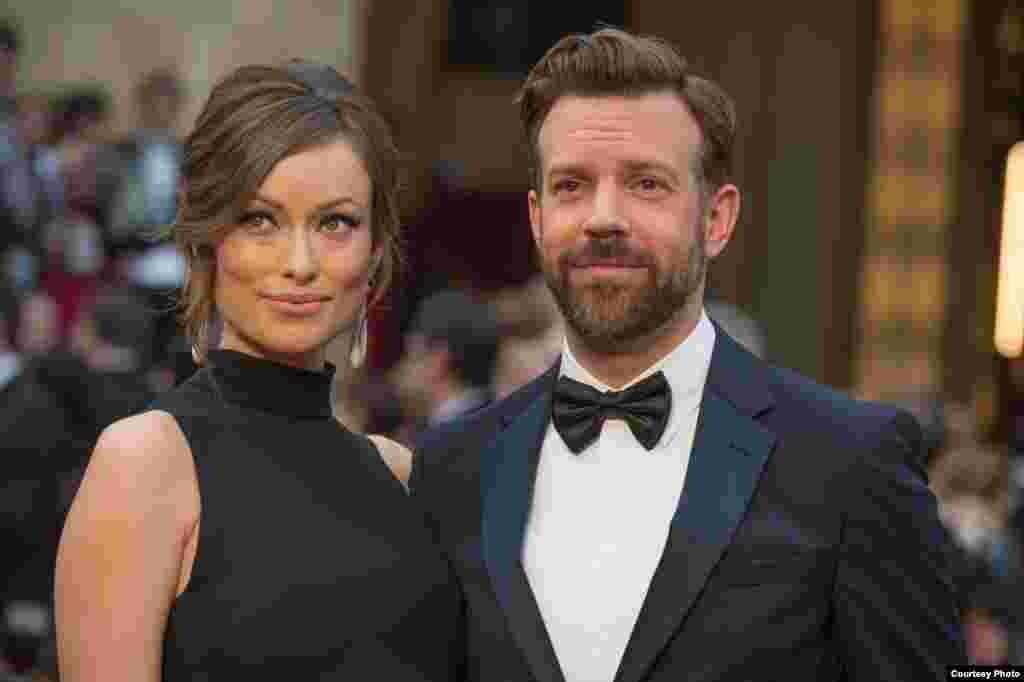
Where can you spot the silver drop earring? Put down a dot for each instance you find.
(357, 352)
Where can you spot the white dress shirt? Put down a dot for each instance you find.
(600, 519)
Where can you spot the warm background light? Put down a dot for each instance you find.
(1009, 337)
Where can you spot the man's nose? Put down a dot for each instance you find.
(606, 216)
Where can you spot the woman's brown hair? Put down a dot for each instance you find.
(255, 117)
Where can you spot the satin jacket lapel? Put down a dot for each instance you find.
(508, 469)
(729, 452)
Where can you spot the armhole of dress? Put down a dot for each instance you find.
(196, 534)
(379, 452)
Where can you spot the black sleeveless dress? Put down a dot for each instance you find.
(312, 562)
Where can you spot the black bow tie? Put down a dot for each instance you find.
(579, 410)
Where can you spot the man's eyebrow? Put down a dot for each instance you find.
(648, 166)
(637, 166)
(566, 169)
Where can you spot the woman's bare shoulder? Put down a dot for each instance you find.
(147, 448)
(155, 426)
(395, 455)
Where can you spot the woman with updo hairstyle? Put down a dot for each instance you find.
(236, 528)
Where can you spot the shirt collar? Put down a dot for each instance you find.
(10, 366)
(685, 368)
(457, 405)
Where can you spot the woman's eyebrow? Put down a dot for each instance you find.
(326, 206)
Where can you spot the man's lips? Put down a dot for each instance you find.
(609, 263)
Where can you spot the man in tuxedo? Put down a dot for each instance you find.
(661, 504)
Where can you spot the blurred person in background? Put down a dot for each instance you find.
(237, 528)
(36, 120)
(74, 254)
(977, 497)
(970, 480)
(971, 483)
(1011, 598)
(451, 348)
(143, 170)
(736, 323)
(530, 335)
(11, 194)
(115, 338)
(81, 121)
(38, 332)
(663, 504)
(371, 403)
(29, 192)
(100, 377)
(10, 46)
(150, 160)
(34, 444)
(109, 354)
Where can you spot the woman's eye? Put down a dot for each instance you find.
(339, 222)
(649, 184)
(257, 221)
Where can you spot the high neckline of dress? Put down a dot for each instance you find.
(250, 381)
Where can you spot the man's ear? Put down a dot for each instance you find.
(533, 199)
(723, 209)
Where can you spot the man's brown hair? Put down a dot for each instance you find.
(254, 118)
(613, 63)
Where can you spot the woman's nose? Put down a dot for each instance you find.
(302, 258)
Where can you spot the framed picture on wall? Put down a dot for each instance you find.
(506, 38)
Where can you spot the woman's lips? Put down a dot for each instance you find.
(296, 304)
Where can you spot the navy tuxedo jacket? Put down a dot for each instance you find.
(806, 544)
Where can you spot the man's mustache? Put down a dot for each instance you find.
(607, 251)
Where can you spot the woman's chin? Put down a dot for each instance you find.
(294, 350)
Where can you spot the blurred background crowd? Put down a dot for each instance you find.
(872, 155)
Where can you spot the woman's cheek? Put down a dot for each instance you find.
(350, 267)
(238, 262)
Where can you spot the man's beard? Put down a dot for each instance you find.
(612, 316)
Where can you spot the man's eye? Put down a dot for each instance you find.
(649, 184)
(567, 186)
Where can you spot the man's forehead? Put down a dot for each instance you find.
(617, 111)
(654, 127)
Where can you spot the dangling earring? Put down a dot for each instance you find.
(357, 353)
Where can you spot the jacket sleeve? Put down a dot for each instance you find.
(423, 496)
(896, 609)
(416, 475)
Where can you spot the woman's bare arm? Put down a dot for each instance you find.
(120, 555)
